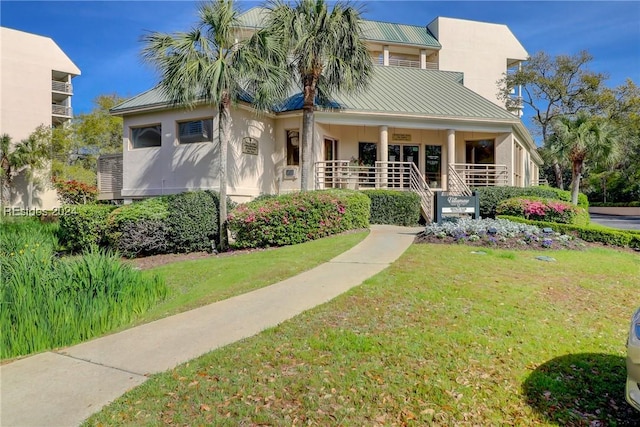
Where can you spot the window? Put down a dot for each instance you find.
(367, 153)
(433, 165)
(195, 131)
(293, 148)
(480, 152)
(147, 136)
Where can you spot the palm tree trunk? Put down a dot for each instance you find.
(224, 132)
(557, 170)
(575, 182)
(307, 142)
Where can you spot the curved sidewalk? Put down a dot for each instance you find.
(63, 388)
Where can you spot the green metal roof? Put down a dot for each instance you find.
(395, 90)
(383, 32)
(387, 32)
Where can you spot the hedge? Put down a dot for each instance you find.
(193, 221)
(297, 218)
(84, 226)
(490, 197)
(588, 233)
(394, 207)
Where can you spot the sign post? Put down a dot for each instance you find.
(448, 206)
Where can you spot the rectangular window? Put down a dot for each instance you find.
(433, 165)
(293, 147)
(195, 131)
(146, 136)
(367, 153)
(480, 152)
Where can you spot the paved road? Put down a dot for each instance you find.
(623, 222)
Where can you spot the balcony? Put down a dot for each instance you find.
(482, 175)
(396, 62)
(62, 87)
(60, 110)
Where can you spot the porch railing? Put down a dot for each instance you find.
(482, 175)
(456, 185)
(402, 176)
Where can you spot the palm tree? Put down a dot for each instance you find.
(326, 54)
(581, 140)
(209, 65)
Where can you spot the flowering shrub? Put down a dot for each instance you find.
(297, 218)
(541, 210)
(75, 192)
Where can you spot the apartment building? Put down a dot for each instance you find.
(35, 89)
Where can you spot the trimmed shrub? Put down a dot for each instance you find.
(74, 192)
(394, 207)
(539, 209)
(490, 197)
(297, 218)
(616, 205)
(192, 220)
(149, 215)
(84, 226)
(587, 233)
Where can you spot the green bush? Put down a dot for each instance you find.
(588, 233)
(490, 197)
(616, 205)
(536, 208)
(298, 217)
(150, 215)
(193, 221)
(394, 207)
(84, 226)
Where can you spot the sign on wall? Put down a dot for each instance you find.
(402, 137)
(250, 146)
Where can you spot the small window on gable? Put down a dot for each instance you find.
(195, 131)
(146, 136)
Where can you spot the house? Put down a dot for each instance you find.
(35, 89)
(429, 120)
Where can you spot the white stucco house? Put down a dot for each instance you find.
(35, 89)
(429, 120)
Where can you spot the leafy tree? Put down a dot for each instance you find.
(554, 87)
(327, 54)
(583, 139)
(208, 65)
(99, 129)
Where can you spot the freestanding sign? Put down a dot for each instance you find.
(456, 206)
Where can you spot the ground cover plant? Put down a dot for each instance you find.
(442, 337)
(497, 233)
(47, 301)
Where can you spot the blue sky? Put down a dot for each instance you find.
(103, 37)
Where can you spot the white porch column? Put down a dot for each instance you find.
(385, 55)
(423, 59)
(383, 153)
(451, 152)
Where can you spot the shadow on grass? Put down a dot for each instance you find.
(581, 389)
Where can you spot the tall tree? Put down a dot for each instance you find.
(327, 54)
(583, 139)
(554, 87)
(209, 65)
(99, 129)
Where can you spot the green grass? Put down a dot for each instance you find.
(442, 337)
(199, 282)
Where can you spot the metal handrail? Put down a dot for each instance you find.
(61, 86)
(482, 175)
(60, 110)
(455, 184)
(402, 176)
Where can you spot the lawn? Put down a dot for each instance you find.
(442, 337)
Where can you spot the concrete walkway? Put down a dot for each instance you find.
(63, 388)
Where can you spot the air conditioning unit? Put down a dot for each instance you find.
(290, 173)
(194, 131)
